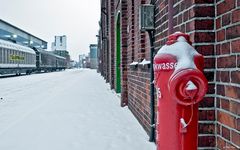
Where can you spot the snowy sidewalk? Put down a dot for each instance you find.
(70, 110)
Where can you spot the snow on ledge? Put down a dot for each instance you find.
(145, 62)
(134, 63)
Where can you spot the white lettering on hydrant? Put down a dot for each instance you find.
(165, 66)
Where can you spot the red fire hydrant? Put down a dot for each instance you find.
(180, 85)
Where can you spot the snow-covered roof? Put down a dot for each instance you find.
(49, 53)
(60, 56)
(13, 46)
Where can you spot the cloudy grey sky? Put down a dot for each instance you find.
(77, 19)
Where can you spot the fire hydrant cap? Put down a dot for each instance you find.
(182, 91)
(174, 37)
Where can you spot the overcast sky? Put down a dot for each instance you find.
(77, 19)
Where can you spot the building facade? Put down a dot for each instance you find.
(93, 56)
(214, 29)
(60, 43)
(81, 61)
(59, 47)
(16, 35)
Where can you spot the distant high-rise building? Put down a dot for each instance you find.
(59, 47)
(82, 61)
(93, 56)
(60, 43)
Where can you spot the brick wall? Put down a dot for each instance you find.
(124, 53)
(227, 73)
(130, 31)
(197, 19)
(111, 40)
(138, 76)
(214, 28)
(103, 41)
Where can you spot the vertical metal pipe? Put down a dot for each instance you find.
(152, 110)
(151, 37)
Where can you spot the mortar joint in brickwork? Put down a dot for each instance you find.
(229, 84)
(206, 122)
(226, 140)
(228, 26)
(228, 113)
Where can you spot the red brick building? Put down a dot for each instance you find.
(214, 28)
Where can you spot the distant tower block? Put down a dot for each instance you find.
(93, 56)
(60, 43)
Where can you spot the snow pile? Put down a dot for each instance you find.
(71, 110)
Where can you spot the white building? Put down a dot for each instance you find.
(60, 43)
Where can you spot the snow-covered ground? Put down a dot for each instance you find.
(70, 110)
